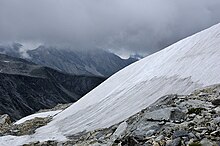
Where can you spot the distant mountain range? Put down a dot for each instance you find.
(26, 87)
(87, 62)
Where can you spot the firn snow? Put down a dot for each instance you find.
(180, 68)
(38, 115)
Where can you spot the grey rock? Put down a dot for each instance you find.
(160, 114)
(191, 135)
(217, 109)
(180, 133)
(118, 133)
(198, 135)
(192, 115)
(215, 133)
(169, 143)
(200, 129)
(216, 102)
(159, 138)
(5, 119)
(150, 132)
(216, 120)
(177, 115)
(156, 144)
(175, 142)
(206, 142)
(201, 94)
(146, 129)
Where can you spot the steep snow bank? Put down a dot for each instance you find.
(187, 65)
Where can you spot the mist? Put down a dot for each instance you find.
(121, 26)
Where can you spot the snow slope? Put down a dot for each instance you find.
(181, 68)
(189, 64)
(38, 115)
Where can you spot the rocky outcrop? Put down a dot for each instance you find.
(5, 120)
(173, 120)
(27, 127)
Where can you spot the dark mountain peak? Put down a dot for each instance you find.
(96, 62)
(84, 62)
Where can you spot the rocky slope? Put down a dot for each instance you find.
(91, 62)
(11, 50)
(25, 87)
(173, 120)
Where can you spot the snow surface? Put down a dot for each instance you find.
(180, 68)
(6, 61)
(38, 115)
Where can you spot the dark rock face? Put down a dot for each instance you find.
(98, 62)
(216, 102)
(26, 88)
(91, 62)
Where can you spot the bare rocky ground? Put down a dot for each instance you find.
(28, 127)
(174, 120)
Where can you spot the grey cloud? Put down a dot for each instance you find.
(123, 26)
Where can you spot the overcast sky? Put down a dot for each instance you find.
(123, 26)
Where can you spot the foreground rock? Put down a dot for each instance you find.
(27, 127)
(174, 120)
(5, 120)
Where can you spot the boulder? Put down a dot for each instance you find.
(177, 115)
(180, 133)
(206, 142)
(5, 119)
(216, 102)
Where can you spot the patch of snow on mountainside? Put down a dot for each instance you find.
(181, 68)
(38, 115)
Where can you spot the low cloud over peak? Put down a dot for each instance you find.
(123, 26)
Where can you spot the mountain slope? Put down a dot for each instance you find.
(181, 68)
(86, 62)
(26, 88)
(91, 62)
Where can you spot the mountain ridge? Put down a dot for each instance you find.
(26, 87)
(93, 62)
